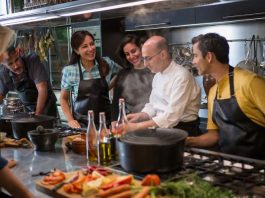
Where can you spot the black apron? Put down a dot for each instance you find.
(28, 93)
(238, 134)
(93, 94)
(191, 127)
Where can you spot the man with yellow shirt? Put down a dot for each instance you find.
(236, 103)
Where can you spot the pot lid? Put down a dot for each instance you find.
(43, 133)
(159, 136)
(11, 116)
(26, 118)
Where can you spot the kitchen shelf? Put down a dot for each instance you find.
(68, 9)
(104, 7)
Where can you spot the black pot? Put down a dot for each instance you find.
(22, 124)
(152, 150)
(5, 126)
(44, 141)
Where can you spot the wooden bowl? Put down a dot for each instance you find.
(79, 146)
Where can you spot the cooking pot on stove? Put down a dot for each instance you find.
(22, 123)
(152, 150)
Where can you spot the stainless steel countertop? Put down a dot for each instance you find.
(31, 162)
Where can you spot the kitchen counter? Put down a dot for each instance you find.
(31, 162)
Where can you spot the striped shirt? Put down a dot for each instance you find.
(70, 77)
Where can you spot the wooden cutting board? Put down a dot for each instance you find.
(60, 193)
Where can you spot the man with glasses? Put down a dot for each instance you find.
(27, 76)
(175, 98)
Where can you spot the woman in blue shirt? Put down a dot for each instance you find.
(88, 79)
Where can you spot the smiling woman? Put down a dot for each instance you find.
(134, 80)
(86, 80)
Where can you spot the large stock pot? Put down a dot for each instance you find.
(152, 150)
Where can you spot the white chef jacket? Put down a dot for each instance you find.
(175, 97)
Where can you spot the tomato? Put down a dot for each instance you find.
(151, 180)
(54, 178)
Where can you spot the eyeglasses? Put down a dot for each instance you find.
(148, 58)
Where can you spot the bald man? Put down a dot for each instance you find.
(175, 98)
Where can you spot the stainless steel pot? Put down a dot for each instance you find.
(152, 150)
(22, 124)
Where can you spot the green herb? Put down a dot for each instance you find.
(191, 186)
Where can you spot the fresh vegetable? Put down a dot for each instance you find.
(92, 186)
(53, 178)
(143, 192)
(125, 194)
(113, 191)
(120, 181)
(76, 185)
(100, 170)
(151, 180)
(191, 186)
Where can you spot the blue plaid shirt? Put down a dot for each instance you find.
(70, 78)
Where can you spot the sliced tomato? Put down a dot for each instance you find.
(54, 178)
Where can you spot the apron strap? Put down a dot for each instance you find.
(103, 68)
(80, 71)
(231, 82)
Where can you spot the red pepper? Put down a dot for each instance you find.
(120, 181)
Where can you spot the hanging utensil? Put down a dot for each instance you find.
(249, 63)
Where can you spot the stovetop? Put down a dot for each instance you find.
(244, 176)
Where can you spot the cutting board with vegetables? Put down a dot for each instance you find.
(89, 182)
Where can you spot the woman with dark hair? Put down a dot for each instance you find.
(87, 79)
(134, 83)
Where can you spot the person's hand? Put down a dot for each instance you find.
(191, 141)
(131, 127)
(137, 117)
(74, 124)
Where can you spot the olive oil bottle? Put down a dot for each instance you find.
(104, 145)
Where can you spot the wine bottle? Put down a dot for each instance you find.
(119, 128)
(91, 139)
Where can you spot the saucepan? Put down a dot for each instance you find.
(152, 150)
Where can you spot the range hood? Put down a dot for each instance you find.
(108, 8)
